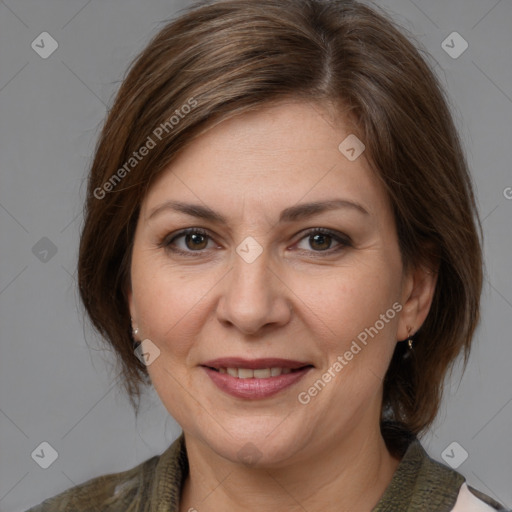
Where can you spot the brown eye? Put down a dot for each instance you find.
(321, 240)
(196, 241)
(187, 241)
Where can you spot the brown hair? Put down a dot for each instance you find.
(223, 58)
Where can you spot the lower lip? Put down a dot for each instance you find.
(254, 388)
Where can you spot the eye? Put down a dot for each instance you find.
(193, 240)
(321, 240)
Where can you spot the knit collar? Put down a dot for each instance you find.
(419, 483)
(170, 474)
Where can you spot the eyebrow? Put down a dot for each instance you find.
(291, 214)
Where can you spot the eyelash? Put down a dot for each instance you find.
(167, 241)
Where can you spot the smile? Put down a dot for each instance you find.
(255, 379)
(262, 373)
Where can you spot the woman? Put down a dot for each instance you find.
(280, 217)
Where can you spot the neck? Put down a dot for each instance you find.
(350, 474)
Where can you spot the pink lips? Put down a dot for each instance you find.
(254, 388)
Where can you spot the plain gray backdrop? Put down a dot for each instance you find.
(57, 385)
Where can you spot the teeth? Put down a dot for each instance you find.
(232, 371)
(260, 373)
(263, 373)
(244, 373)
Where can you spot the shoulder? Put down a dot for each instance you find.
(471, 500)
(452, 485)
(422, 483)
(154, 483)
(107, 493)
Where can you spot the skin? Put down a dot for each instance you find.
(303, 298)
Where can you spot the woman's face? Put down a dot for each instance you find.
(310, 317)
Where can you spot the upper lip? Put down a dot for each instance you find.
(255, 364)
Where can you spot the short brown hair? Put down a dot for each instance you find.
(231, 56)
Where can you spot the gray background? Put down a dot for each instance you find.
(57, 383)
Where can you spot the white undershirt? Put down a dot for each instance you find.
(468, 502)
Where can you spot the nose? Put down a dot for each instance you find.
(253, 297)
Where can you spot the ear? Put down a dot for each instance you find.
(418, 289)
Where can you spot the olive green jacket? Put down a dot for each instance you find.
(419, 484)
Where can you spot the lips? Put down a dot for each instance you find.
(255, 378)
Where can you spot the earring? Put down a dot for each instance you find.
(410, 341)
(135, 330)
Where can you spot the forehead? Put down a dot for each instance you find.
(276, 155)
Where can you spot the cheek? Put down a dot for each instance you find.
(360, 309)
(348, 300)
(169, 301)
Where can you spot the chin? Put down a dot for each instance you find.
(256, 444)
